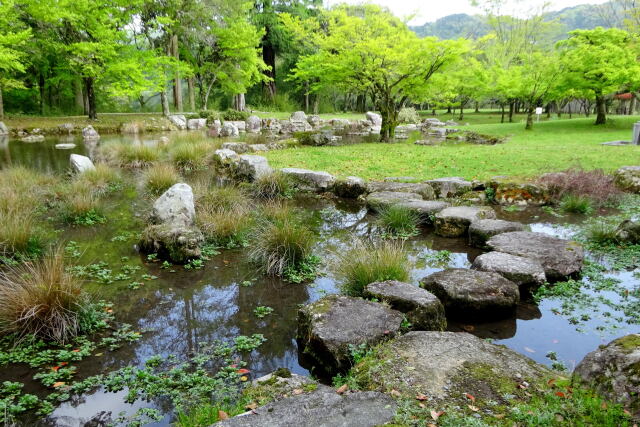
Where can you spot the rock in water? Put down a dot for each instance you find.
(175, 207)
(382, 199)
(559, 258)
(66, 146)
(524, 272)
(351, 187)
(629, 231)
(482, 230)
(423, 309)
(470, 294)
(90, 134)
(425, 190)
(310, 180)
(614, 371)
(328, 327)
(446, 365)
(80, 164)
(455, 221)
(628, 178)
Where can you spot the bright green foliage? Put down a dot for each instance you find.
(12, 55)
(599, 62)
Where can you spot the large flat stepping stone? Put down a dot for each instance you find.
(471, 294)
(560, 258)
(310, 180)
(484, 229)
(321, 408)
(383, 199)
(329, 326)
(455, 221)
(446, 365)
(524, 272)
(450, 187)
(425, 209)
(424, 190)
(424, 310)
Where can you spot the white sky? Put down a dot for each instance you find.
(430, 10)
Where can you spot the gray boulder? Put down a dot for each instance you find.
(328, 327)
(450, 187)
(484, 229)
(229, 130)
(423, 310)
(90, 134)
(179, 121)
(4, 130)
(299, 122)
(310, 180)
(177, 243)
(455, 221)
(382, 199)
(374, 118)
(225, 156)
(251, 167)
(175, 207)
(322, 407)
(425, 209)
(196, 124)
(214, 129)
(81, 164)
(351, 187)
(258, 148)
(446, 365)
(298, 116)
(471, 294)
(524, 272)
(238, 147)
(560, 258)
(339, 124)
(425, 190)
(629, 231)
(613, 371)
(240, 124)
(254, 124)
(315, 121)
(271, 127)
(628, 178)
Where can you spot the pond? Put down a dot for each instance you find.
(182, 308)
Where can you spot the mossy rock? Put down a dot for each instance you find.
(177, 244)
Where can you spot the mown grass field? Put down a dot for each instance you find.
(552, 145)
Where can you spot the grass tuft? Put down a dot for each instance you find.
(574, 203)
(273, 186)
(398, 222)
(160, 177)
(191, 156)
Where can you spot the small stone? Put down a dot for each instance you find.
(425, 209)
(90, 134)
(225, 157)
(66, 146)
(455, 221)
(81, 164)
(482, 230)
(524, 272)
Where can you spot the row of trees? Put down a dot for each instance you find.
(77, 52)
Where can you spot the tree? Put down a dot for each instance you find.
(599, 62)
(12, 58)
(366, 49)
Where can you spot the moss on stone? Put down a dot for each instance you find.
(629, 343)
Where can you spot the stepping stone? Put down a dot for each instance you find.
(560, 258)
(426, 209)
(382, 199)
(424, 190)
(450, 187)
(423, 309)
(350, 188)
(310, 180)
(471, 294)
(446, 365)
(455, 221)
(328, 327)
(482, 230)
(66, 146)
(524, 272)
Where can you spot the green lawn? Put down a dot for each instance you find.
(551, 146)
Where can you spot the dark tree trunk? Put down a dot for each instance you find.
(449, 109)
(91, 98)
(477, 107)
(41, 88)
(461, 117)
(601, 110)
(389, 114)
(316, 104)
(529, 125)
(512, 107)
(502, 115)
(269, 58)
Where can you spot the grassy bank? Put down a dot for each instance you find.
(551, 146)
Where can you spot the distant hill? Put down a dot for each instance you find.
(585, 16)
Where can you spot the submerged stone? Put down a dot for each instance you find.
(560, 258)
(524, 272)
(423, 309)
(455, 221)
(613, 371)
(471, 294)
(482, 230)
(328, 328)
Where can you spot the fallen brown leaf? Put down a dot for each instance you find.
(342, 389)
(421, 397)
(223, 415)
(435, 415)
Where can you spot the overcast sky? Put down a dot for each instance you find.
(430, 10)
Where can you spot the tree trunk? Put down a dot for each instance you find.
(601, 117)
(239, 103)
(529, 125)
(41, 88)
(512, 106)
(91, 98)
(502, 115)
(1, 104)
(192, 94)
(269, 58)
(449, 109)
(316, 104)
(164, 100)
(461, 117)
(389, 122)
(77, 86)
(177, 84)
(477, 107)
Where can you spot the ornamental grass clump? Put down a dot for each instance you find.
(398, 221)
(225, 228)
(225, 198)
(368, 262)
(41, 298)
(103, 179)
(274, 185)
(20, 237)
(574, 203)
(159, 178)
(81, 205)
(601, 233)
(191, 156)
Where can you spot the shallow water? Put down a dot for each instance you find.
(183, 308)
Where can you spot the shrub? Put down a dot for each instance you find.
(601, 232)
(42, 299)
(369, 262)
(235, 115)
(594, 184)
(190, 156)
(576, 204)
(210, 115)
(282, 245)
(398, 221)
(102, 179)
(408, 115)
(273, 186)
(159, 178)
